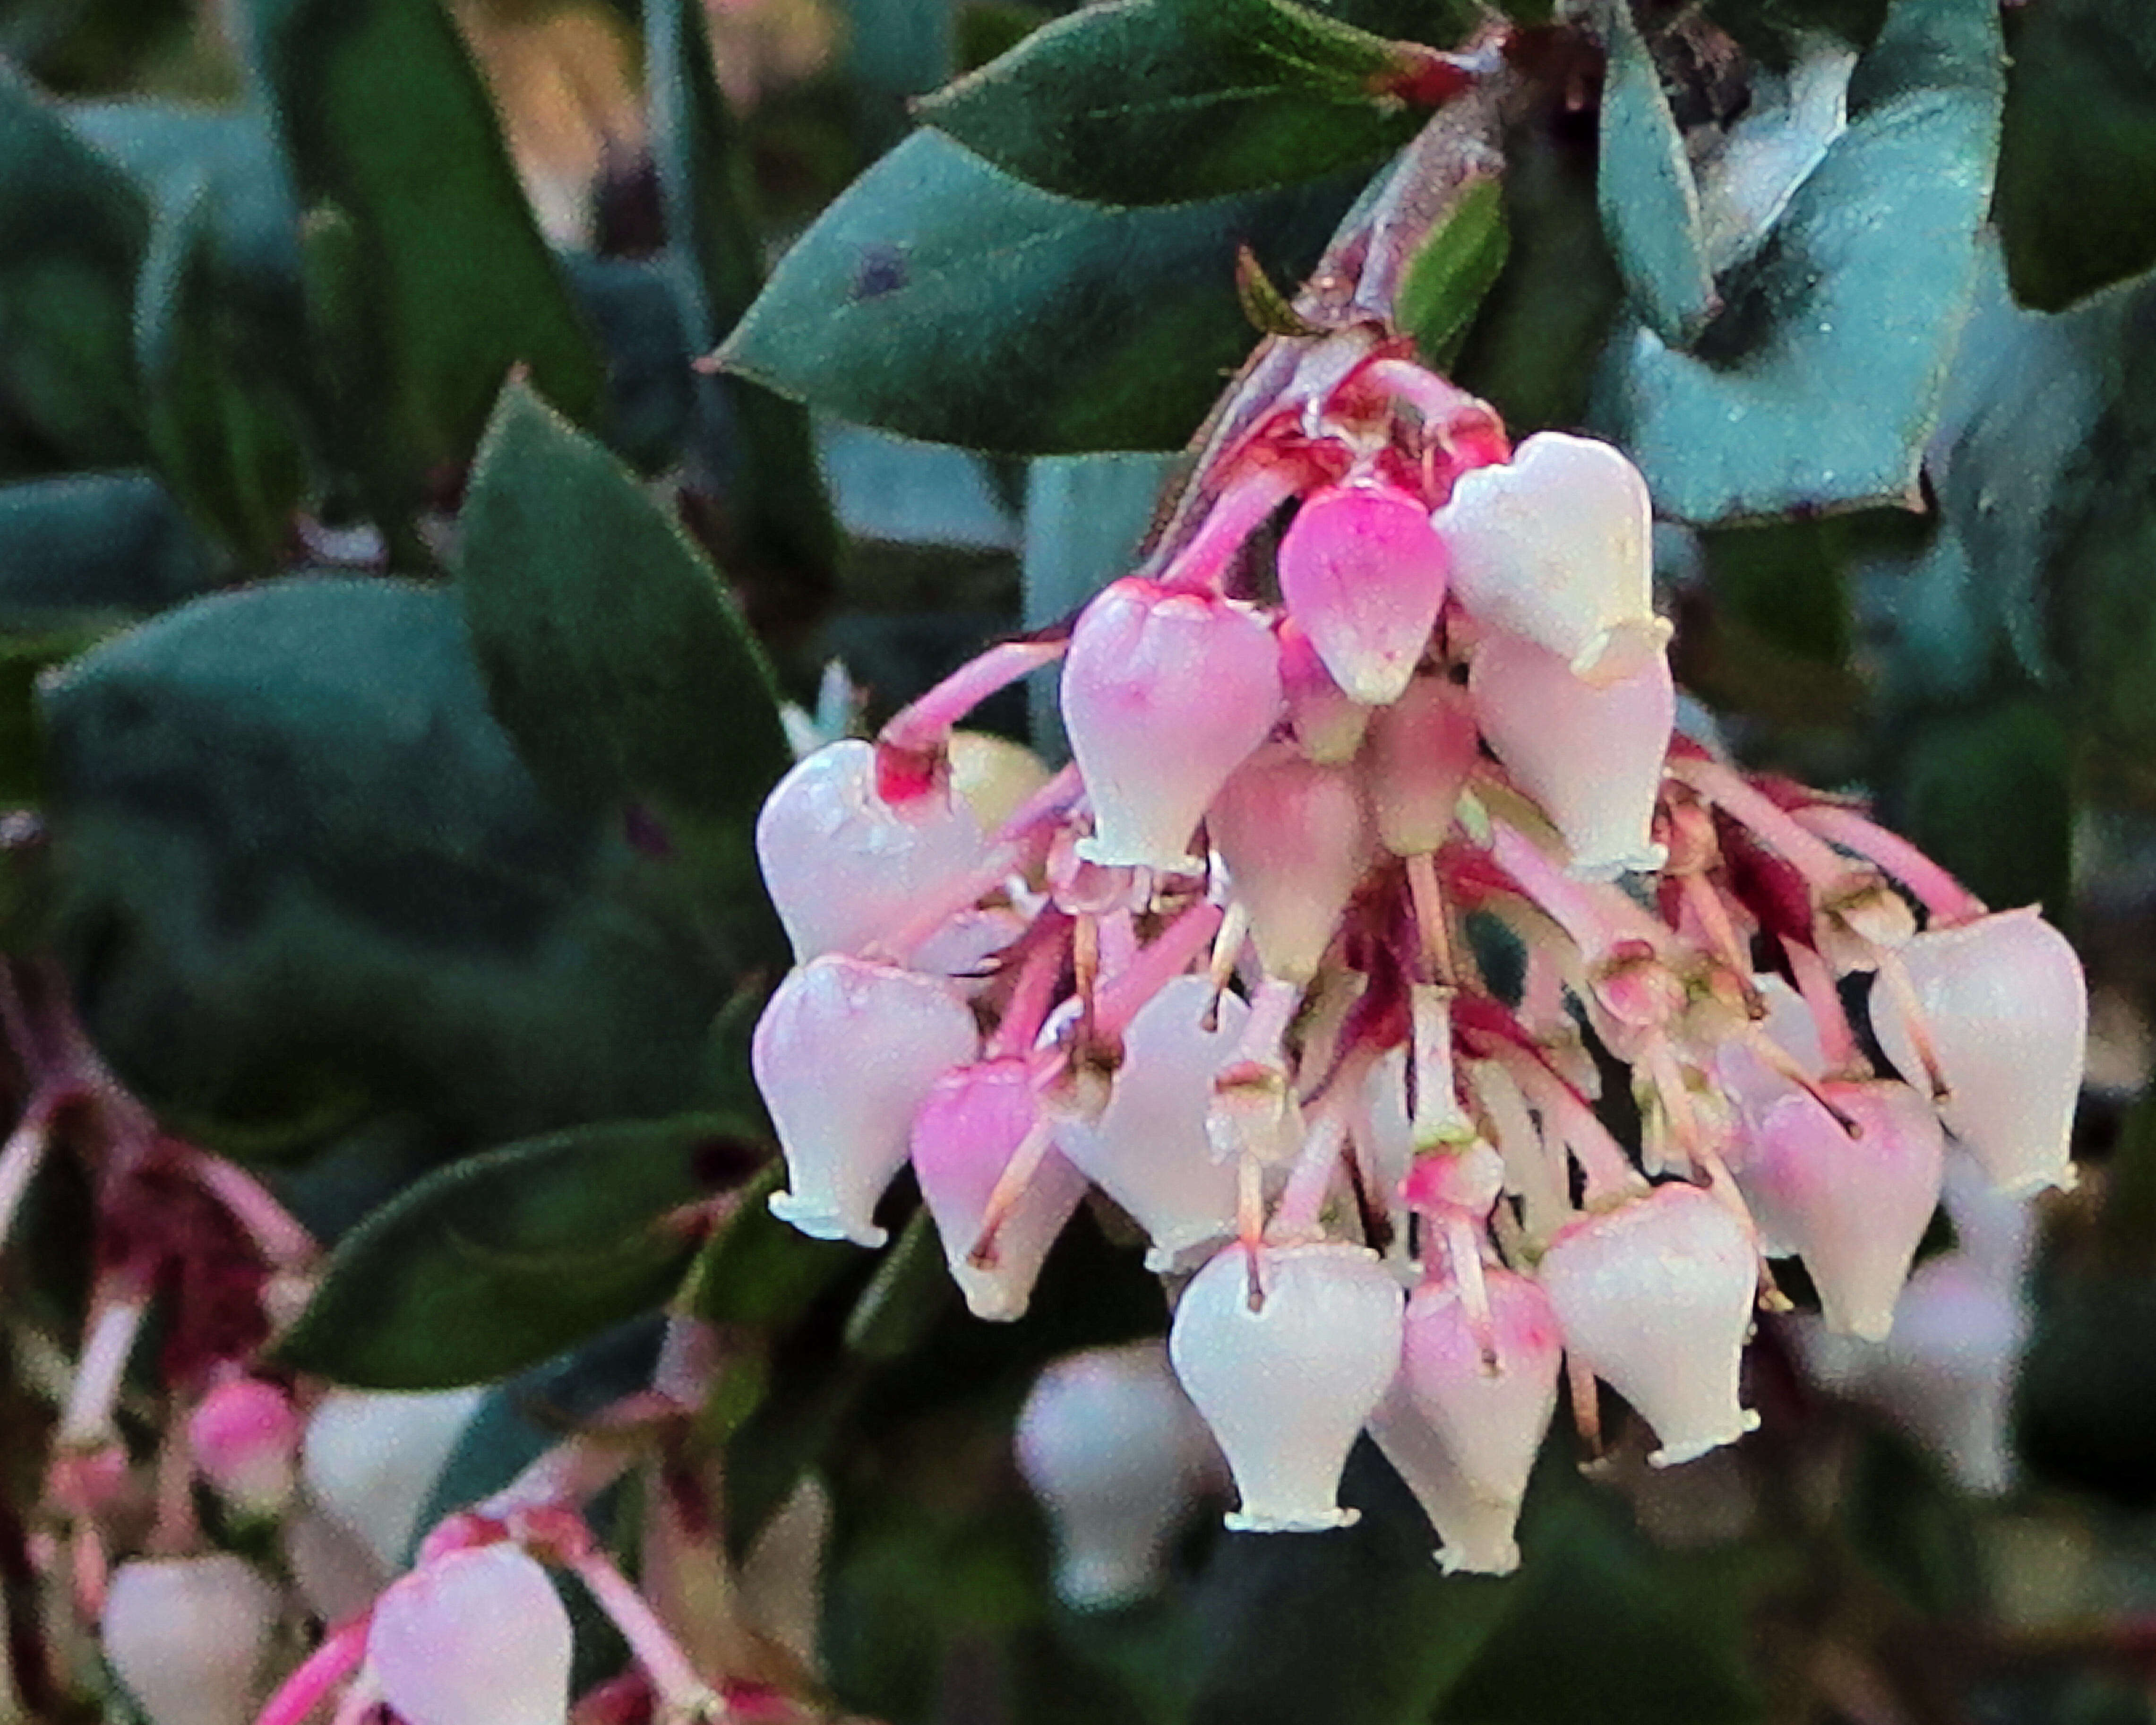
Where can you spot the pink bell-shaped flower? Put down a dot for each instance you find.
(474, 1637)
(1327, 722)
(2006, 1006)
(1592, 757)
(1164, 693)
(1469, 1431)
(1655, 1297)
(1148, 1150)
(1416, 761)
(1556, 547)
(844, 1054)
(245, 1437)
(1363, 570)
(1285, 1387)
(1854, 1207)
(974, 1120)
(1118, 1456)
(844, 866)
(1296, 840)
(186, 1636)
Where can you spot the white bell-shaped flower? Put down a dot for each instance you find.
(1853, 1204)
(475, 1637)
(1287, 1385)
(1118, 1456)
(187, 1636)
(370, 1460)
(2006, 1006)
(1295, 839)
(1164, 693)
(844, 1054)
(974, 1120)
(1655, 1297)
(1556, 547)
(1148, 1150)
(843, 866)
(1590, 756)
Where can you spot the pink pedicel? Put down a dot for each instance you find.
(1164, 694)
(975, 1121)
(2006, 1007)
(1469, 1413)
(844, 1055)
(844, 867)
(245, 1436)
(1590, 754)
(1296, 840)
(472, 1637)
(187, 1636)
(1851, 1196)
(1362, 571)
(1556, 547)
(1287, 1382)
(1111, 1447)
(1654, 1298)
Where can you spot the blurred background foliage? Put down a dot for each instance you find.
(385, 742)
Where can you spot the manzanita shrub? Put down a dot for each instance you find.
(1247, 900)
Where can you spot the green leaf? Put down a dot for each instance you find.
(2078, 162)
(95, 551)
(1164, 101)
(305, 883)
(909, 1292)
(1818, 386)
(945, 300)
(1453, 271)
(759, 1272)
(612, 653)
(383, 115)
(508, 1258)
(633, 307)
(72, 232)
(1650, 205)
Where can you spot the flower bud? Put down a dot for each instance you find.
(1116, 1455)
(1854, 1207)
(1592, 757)
(1327, 723)
(1462, 1435)
(1296, 840)
(1163, 694)
(2007, 1009)
(1420, 750)
(371, 1460)
(186, 1636)
(1556, 547)
(843, 865)
(475, 1637)
(245, 1438)
(1362, 571)
(1148, 1150)
(1286, 1386)
(844, 1055)
(964, 1135)
(1655, 1297)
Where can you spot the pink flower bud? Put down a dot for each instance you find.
(1118, 1456)
(1853, 1208)
(974, 1120)
(1287, 1388)
(1148, 1150)
(1327, 723)
(1557, 547)
(843, 865)
(245, 1438)
(2007, 1008)
(1362, 571)
(1420, 750)
(1296, 840)
(1591, 756)
(1656, 1298)
(1163, 694)
(844, 1055)
(371, 1460)
(186, 1636)
(475, 1637)
(1463, 1435)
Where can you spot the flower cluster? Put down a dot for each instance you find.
(1380, 866)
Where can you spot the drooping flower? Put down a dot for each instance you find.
(474, 1637)
(187, 1636)
(1362, 571)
